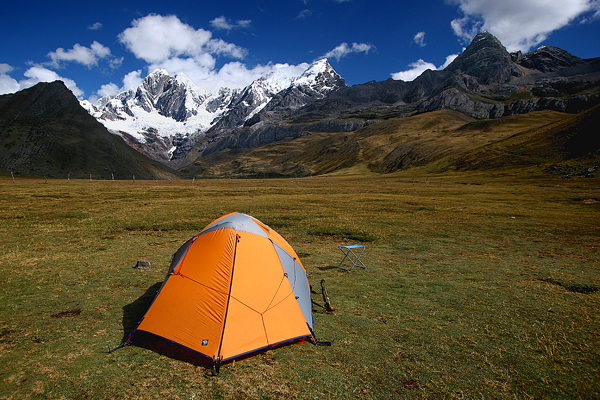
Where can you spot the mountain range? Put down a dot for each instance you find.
(165, 116)
(197, 131)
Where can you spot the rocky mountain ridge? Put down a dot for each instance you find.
(485, 81)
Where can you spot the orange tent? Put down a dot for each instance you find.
(235, 288)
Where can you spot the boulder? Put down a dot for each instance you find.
(142, 264)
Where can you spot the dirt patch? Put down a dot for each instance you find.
(70, 313)
(410, 384)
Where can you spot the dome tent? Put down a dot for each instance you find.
(234, 289)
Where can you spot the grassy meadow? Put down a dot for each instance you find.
(475, 287)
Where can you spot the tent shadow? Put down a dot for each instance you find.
(134, 312)
(326, 268)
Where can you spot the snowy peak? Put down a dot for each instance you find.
(154, 84)
(321, 76)
(167, 108)
(280, 93)
(180, 99)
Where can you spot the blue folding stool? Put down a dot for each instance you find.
(347, 250)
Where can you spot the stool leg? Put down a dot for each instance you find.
(357, 259)
(343, 259)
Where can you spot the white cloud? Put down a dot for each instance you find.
(236, 74)
(95, 27)
(418, 67)
(448, 61)
(7, 83)
(344, 49)
(87, 56)
(132, 80)
(115, 63)
(232, 75)
(415, 69)
(33, 75)
(420, 39)
(196, 69)
(518, 24)
(220, 47)
(165, 42)
(5, 68)
(225, 24)
(156, 39)
(304, 14)
(110, 89)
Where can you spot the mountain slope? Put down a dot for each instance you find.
(575, 138)
(436, 139)
(45, 132)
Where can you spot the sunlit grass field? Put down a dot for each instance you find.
(475, 287)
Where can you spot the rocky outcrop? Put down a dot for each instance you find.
(486, 60)
(262, 134)
(549, 59)
(457, 100)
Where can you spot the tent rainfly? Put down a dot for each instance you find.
(234, 289)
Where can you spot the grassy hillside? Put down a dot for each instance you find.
(474, 287)
(438, 139)
(45, 132)
(575, 138)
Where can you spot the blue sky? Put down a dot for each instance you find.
(101, 48)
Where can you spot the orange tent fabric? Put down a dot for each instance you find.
(235, 288)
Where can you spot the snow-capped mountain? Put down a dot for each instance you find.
(165, 116)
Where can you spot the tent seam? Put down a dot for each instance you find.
(237, 239)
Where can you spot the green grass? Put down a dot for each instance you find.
(475, 287)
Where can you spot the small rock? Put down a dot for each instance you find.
(142, 264)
